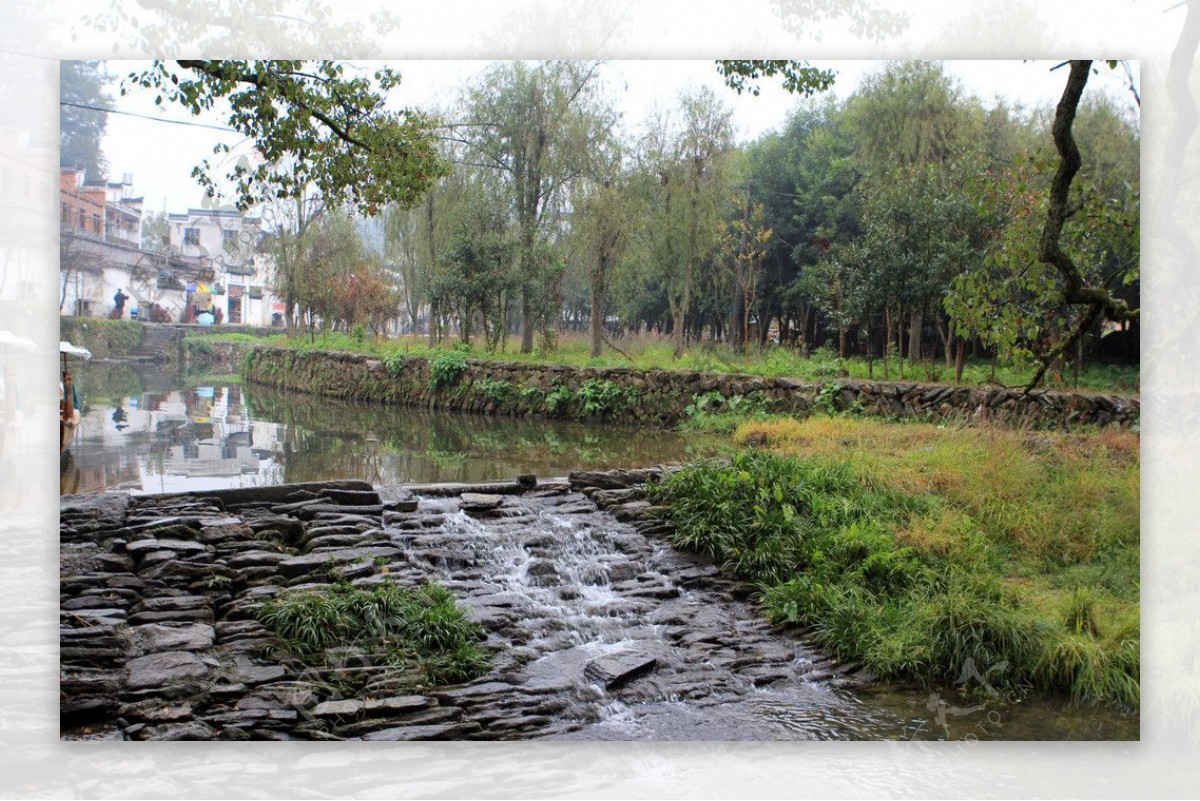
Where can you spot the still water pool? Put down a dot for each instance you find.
(152, 433)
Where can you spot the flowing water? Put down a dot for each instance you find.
(562, 583)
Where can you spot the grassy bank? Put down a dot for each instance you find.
(649, 352)
(926, 552)
(104, 338)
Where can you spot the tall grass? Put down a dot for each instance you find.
(420, 630)
(917, 551)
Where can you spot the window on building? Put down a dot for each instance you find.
(66, 213)
(96, 223)
(191, 236)
(228, 237)
(81, 220)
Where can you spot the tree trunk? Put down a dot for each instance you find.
(915, 322)
(946, 335)
(597, 321)
(887, 342)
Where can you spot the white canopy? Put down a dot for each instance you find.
(67, 349)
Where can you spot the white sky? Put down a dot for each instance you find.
(160, 156)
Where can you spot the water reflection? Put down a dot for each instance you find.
(148, 432)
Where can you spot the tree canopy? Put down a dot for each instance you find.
(311, 125)
(909, 222)
(83, 95)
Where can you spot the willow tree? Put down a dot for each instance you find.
(684, 153)
(540, 127)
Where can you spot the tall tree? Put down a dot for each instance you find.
(913, 131)
(156, 232)
(1095, 301)
(541, 127)
(600, 226)
(83, 94)
(474, 276)
(1018, 301)
(686, 152)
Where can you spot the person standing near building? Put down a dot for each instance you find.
(119, 299)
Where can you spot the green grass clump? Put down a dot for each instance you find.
(910, 568)
(418, 630)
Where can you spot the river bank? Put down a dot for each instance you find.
(453, 382)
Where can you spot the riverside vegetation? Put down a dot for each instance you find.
(914, 548)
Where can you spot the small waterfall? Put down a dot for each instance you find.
(634, 639)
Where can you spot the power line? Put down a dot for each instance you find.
(147, 116)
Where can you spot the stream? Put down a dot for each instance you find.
(565, 586)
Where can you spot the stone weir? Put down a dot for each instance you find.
(663, 397)
(597, 625)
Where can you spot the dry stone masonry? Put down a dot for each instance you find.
(591, 619)
(661, 397)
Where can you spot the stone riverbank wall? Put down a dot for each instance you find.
(661, 397)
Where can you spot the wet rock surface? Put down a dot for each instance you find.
(600, 628)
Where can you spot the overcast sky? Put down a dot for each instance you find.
(160, 156)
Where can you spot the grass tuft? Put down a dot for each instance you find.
(419, 630)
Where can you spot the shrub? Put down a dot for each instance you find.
(497, 391)
(532, 397)
(395, 362)
(446, 369)
(558, 397)
(601, 396)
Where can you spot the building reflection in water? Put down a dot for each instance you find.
(171, 441)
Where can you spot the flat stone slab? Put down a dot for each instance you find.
(181, 731)
(156, 637)
(435, 731)
(167, 603)
(149, 544)
(257, 559)
(338, 709)
(255, 674)
(615, 670)
(164, 668)
(478, 501)
(299, 565)
(390, 706)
